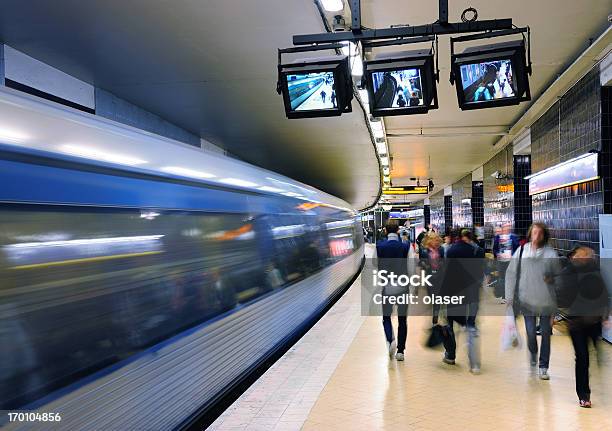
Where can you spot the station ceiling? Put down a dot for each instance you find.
(210, 66)
(447, 143)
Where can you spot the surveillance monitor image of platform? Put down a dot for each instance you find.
(397, 88)
(485, 81)
(312, 91)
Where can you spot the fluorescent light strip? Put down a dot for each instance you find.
(270, 189)
(12, 136)
(237, 182)
(186, 172)
(95, 154)
(112, 240)
(558, 165)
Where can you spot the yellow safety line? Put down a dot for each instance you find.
(85, 259)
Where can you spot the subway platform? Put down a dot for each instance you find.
(339, 377)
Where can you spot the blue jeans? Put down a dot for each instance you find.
(402, 327)
(532, 340)
(473, 346)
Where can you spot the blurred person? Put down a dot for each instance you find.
(392, 256)
(432, 264)
(274, 278)
(448, 241)
(323, 95)
(583, 296)
(505, 243)
(421, 235)
(405, 237)
(463, 278)
(414, 100)
(401, 102)
(530, 291)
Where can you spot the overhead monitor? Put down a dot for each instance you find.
(401, 84)
(316, 87)
(491, 76)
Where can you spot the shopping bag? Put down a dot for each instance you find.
(510, 337)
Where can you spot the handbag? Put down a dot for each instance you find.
(437, 335)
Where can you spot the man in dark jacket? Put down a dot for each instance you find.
(392, 256)
(463, 279)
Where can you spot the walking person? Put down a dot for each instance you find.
(392, 256)
(583, 296)
(530, 291)
(432, 264)
(463, 277)
(505, 244)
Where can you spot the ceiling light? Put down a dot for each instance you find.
(381, 146)
(270, 189)
(332, 5)
(377, 129)
(186, 172)
(363, 94)
(386, 178)
(386, 171)
(92, 153)
(12, 136)
(356, 64)
(384, 161)
(237, 182)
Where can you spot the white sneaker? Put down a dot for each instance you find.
(543, 374)
(391, 347)
(399, 356)
(475, 370)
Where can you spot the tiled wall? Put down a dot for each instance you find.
(605, 164)
(522, 200)
(572, 214)
(498, 204)
(570, 128)
(462, 212)
(448, 213)
(477, 204)
(436, 210)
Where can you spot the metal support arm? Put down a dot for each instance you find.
(401, 32)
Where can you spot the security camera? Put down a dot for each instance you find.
(339, 23)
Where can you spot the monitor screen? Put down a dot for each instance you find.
(397, 88)
(489, 80)
(312, 91)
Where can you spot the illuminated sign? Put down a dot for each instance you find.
(505, 188)
(574, 171)
(406, 190)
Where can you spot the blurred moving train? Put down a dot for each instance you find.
(134, 296)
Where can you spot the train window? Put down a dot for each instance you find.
(85, 288)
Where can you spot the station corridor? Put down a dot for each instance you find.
(339, 376)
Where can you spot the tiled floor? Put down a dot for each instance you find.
(339, 377)
(284, 396)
